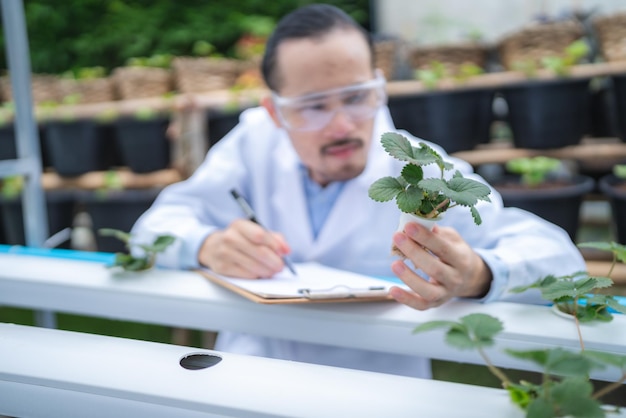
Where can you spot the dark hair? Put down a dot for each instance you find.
(312, 21)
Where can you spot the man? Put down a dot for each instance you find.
(305, 161)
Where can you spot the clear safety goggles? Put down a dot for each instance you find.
(314, 111)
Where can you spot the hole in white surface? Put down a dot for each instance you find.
(199, 361)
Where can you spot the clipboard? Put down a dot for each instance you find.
(315, 283)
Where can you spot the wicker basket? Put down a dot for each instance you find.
(141, 82)
(45, 88)
(537, 41)
(94, 90)
(194, 75)
(385, 57)
(451, 56)
(611, 33)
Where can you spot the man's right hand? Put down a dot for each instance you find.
(244, 249)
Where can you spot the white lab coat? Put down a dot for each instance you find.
(257, 159)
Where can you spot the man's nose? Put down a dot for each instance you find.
(341, 124)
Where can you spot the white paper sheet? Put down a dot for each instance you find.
(314, 281)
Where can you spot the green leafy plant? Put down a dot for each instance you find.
(533, 170)
(112, 181)
(425, 197)
(107, 115)
(202, 48)
(145, 113)
(7, 113)
(565, 389)
(12, 187)
(619, 170)
(560, 65)
(129, 262)
(46, 110)
(155, 61)
(431, 75)
(573, 54)
(436, 71)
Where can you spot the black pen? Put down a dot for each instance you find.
(251, 216)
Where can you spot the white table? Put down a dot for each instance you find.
(186, 299)
(53, 373)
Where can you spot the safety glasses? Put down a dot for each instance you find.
(313, 112)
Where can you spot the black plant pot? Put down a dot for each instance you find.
(115, 209)
(74, 147)
(221, 122)
(559, 204)
(619, 95)
(60, 206)
(143, 144)
(548, 114)
(602, 118)
(455, 120)
(8, 147)
(615, 189)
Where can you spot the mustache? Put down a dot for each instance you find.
(342, 142)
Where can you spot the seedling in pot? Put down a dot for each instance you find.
(619, 171)
(533, 170)
(427, 198)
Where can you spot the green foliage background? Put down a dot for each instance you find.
(71, 34)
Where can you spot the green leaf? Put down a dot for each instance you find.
(428, 77)
(540, 408)
(483, 326)
(602, 282)
(128, 261)
(431, 325)
(410, 200)
(573, 398)
(425, 155)
(618, 250)
(558, 361)
(458, 337)
(617, 360)
(161, 243)
(572, 289)
(577, 50)
(589, 313)
(474, 331)
(614, 304)
(476, 216)
(522, 394)
(138, 264)
(397, 146)
(434, 186)
(412, 174)
(122, 259)
(465, 192)
(603, 246)
(533, 169)
(385, 189)
(619, 170)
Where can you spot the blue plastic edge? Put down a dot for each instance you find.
(97, 257)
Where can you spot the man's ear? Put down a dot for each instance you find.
(268, 104)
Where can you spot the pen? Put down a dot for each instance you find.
(251, 216)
